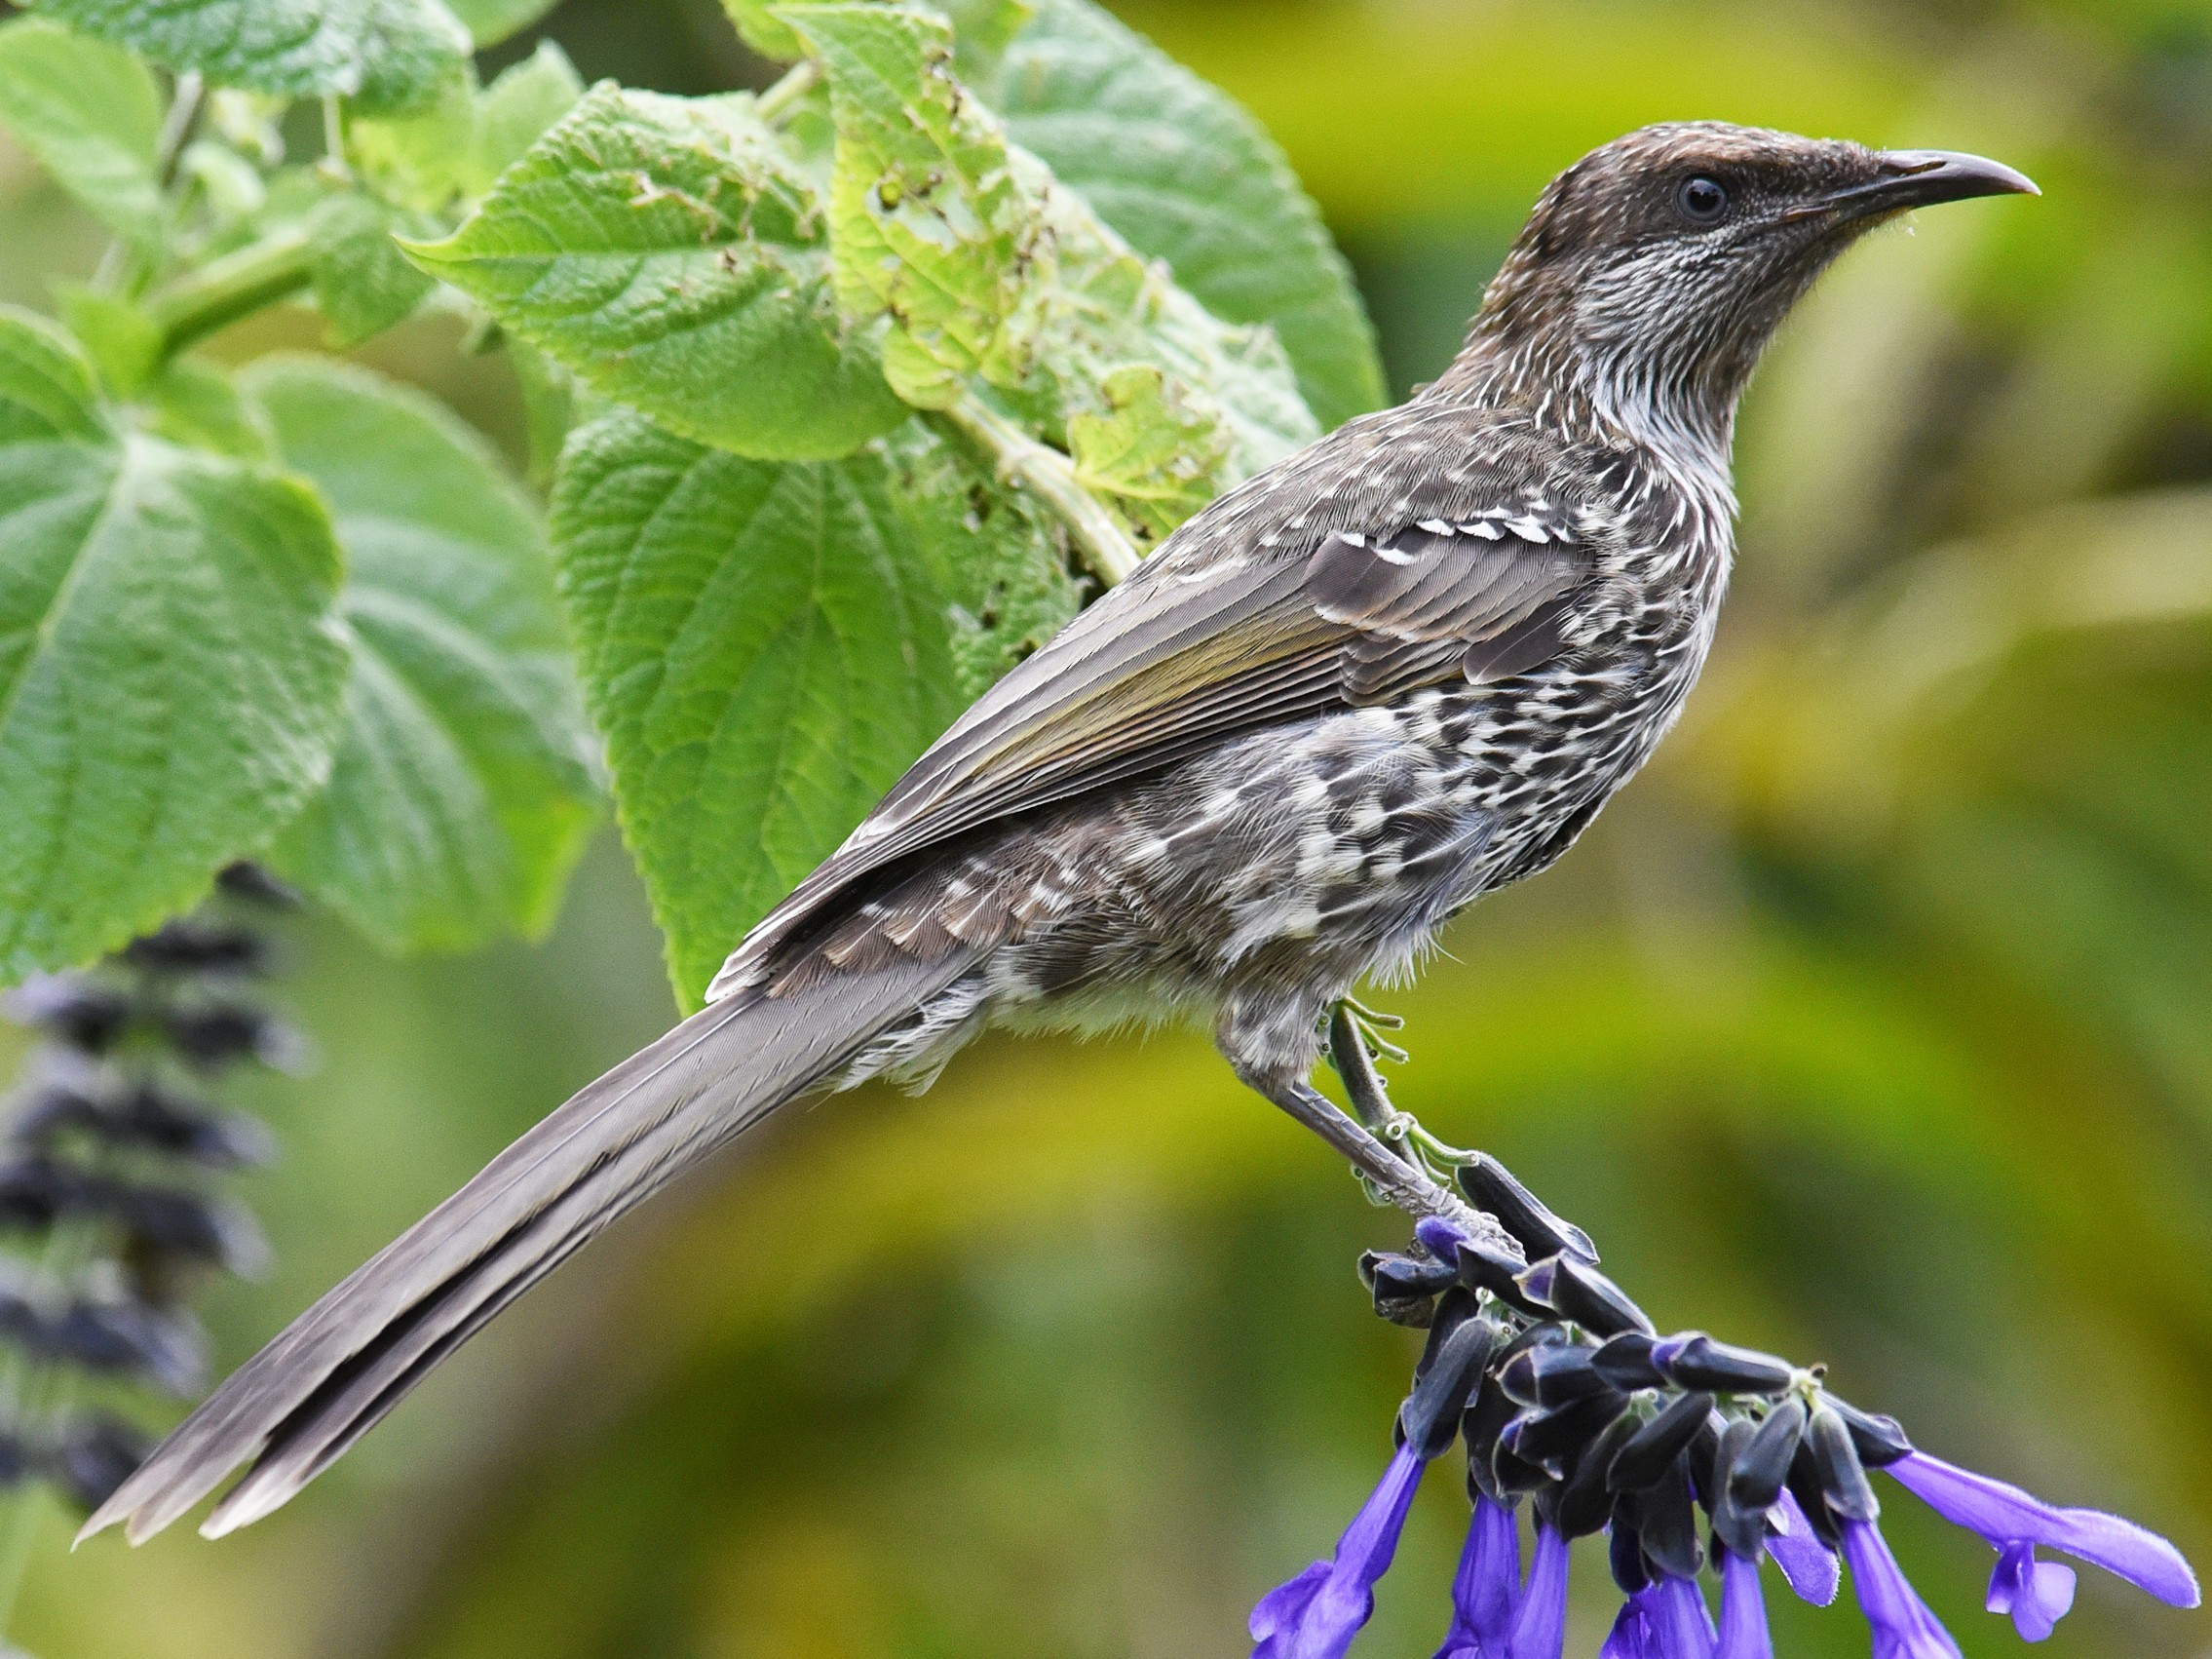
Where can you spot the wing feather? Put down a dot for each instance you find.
(1175, 661)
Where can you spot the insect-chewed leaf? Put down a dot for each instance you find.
(929, 222)
(386, 54)
(1179, 167)
(171, 680)
(762, 648)
(1105, 308)
(90, 113)
(463, 786)
(1159, 458)
(667, 252)
(1000, 559)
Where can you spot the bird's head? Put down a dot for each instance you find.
(1656, 268)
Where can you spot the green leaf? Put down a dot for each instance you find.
(362, 282)
(764, 652)
(984, 28)
(1155, 456)
(760, 28)
(1000, 559)
(490, 21)
(197, 405)
(171, 683)
(417, 158)
(463, 788)
(665, 250)
(928, 221)
(1104, 308)
(91, 116)
(515, 110)
(124, 343)
(1179, 167)
(386, 54)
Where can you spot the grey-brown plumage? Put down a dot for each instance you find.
(1400, 670)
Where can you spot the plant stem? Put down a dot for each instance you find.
(802, 79)
(177, 125)
(1106, 550)
(236, 286)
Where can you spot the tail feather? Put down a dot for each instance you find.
(338, 1367)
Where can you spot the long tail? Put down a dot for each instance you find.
(338, 1367)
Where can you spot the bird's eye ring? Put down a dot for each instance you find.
(1701, 201)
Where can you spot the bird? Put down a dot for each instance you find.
(1397, 670)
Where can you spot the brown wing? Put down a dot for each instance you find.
(1175, 661)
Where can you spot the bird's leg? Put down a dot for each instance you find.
(1354, 1047)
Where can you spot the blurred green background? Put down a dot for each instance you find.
(1874, 1024)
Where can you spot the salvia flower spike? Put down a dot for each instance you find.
(1563, 1393)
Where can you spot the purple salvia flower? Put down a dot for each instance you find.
(1807, 1565)
(1318, 1614)
(1540, 1627)
(1903, 1626)
(1744, 1611)
(2006, 1516)
(1486, 1594)
(2037, 1594)
(1665, 1620)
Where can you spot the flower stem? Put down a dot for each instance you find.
(776, 102)
(236, 286)
(1106, 550)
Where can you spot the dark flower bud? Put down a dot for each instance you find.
(216, 1034)
(1805, 1486)
(1557, 1375)
(1742, 1528)
(194, 946)
(1492, 1470)
(1484, 1268)
(1493, 1188)
(1625, 1361)
(1576, 1291)
(1453, 1309)
(1756, 1476)
(254, 885)
(1880, 1440)
(1406, 1287)
(1586, 1501)
(1430, 1414)
(72, 1009)
(1693, 1359)
(170, 1222)
(1554, 1437)
(1666, 1524)
(17, 1463)
(127, 1338)
(35, 1192)
(1835, 1462)
(1625, 1550)
(1703, 1475)
(96, 1454)
(1660, 1443)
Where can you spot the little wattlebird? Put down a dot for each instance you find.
(1396, 672)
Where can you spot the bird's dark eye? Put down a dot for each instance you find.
(1701, 201)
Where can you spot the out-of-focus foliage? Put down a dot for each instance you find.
(1875, 1023)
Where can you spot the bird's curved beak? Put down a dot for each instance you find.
(1920, 178)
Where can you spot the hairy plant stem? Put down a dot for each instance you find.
(236, 286)
(776, 102)
(1107, 551)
